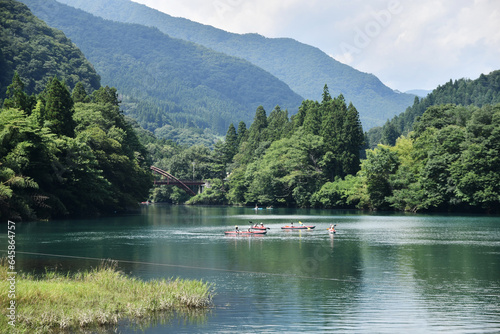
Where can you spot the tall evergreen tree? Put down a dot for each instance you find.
(312, 119)
(278, 124)
(59, 108)
(79, 94)
(298, 119)
(256, 141)
(354, 140)
(332, 112)
(16, 96)
(242, 132)
(326, 94)
(231, 144)
(257, 131)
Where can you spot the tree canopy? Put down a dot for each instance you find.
(69, 158)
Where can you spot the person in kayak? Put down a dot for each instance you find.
(236, 228)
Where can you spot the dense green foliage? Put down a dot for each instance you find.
(37, 53)
(479, 92)
(449, 162)
(278, 160)
(174, 82)
(304, 68)
(65, 158)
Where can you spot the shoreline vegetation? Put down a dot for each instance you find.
(98, 299)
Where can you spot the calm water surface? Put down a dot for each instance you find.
(378, 274)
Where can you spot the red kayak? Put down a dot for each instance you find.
(259, 228)
(301, 227)
(245, 232)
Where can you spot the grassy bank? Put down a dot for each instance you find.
(96, 298)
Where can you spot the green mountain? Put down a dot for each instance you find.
(167, 81)
(38, 53)
(304, 68)
(482, 91)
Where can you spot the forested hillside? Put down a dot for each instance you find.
(38, 53)
(482, 91)
(72, 154)
(166, 81)
(62, 151)
(304, 68)
(448, 163)
(278, 160)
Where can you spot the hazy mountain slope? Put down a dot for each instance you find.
(194, 84)
(304, 68)
(38, 52)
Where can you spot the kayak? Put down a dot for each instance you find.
(301, 227)
(245, 232)
(259, 228)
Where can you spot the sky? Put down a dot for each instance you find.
(407, 44)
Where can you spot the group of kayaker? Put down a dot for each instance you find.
(256, 227)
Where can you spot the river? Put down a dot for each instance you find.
(380, 273)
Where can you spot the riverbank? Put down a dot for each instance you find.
(96, 298)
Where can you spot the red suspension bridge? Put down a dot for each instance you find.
(169, 179)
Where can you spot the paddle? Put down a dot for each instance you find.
(303, 225)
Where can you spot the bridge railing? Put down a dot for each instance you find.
(172, 180)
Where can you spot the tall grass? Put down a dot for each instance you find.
(95, 298)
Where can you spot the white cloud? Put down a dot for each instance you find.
(407, 44)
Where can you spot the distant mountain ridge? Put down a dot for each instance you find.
(419, 92)
(169, 81)
(304, 68)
